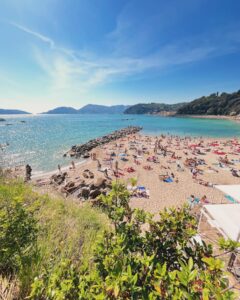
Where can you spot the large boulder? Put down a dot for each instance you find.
(100, 182)
(85, 191)
(58, 178)
(95, 193)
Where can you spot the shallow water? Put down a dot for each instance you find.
(43, 139)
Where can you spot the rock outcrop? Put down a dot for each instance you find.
(81, 189)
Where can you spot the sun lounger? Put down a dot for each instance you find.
(231, 199)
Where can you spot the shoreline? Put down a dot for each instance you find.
(133, 155)
(63, 169)
(216, 117)
(48, 174)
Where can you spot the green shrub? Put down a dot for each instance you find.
(141, 258)
(38, 233)
(18, 229)
(61, 282)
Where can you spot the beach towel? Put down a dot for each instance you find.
(193, 202)
(123, 154)
(219, 152)
(130, 170)
(141, 188)
(169, 179)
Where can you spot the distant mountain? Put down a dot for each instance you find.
(215, 104)
(101, 109)
(62, 110)
(13, 112)
(153, 108)
(89, 109)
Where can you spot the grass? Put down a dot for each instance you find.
(65, 230)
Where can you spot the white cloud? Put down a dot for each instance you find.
(72, 73)
(39, 36)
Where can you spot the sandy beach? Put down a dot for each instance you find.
(169, 169)
(216, 117)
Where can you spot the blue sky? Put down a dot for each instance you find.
(74, 52)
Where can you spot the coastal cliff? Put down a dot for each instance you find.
(153, 108)
(215, 104)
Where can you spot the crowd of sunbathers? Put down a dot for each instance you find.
(146, 152)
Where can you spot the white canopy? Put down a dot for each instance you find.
(231, 190)
(225, 217)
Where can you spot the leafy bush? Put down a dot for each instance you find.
(141, 258)
(18, 229)
(61, 282)
(38, 234)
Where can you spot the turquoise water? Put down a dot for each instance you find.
(43, 139)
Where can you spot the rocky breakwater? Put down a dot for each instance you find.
(82, 150)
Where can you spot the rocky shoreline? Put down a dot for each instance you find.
(78, 151)
(88, 188)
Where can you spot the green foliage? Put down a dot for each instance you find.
(60, 282)
(38, 234)
(141, 258)
(215, 104)
(18, 228)
(228, 245)
(48, 244)
(150, 108)
(133, 181)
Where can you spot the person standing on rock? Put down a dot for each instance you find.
(116, 165)
(28, 172)
(106, 173)
(59, 169)
(99, 166)
(73, 164)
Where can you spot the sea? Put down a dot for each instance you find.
(41, 140)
